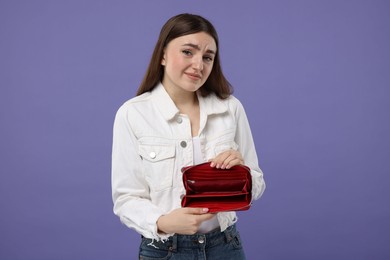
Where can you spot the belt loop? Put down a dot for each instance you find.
(228, 234)
(174, 243)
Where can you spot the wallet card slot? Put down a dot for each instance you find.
(217, 194)
(216, 176)
(229, 185)
(219, 203)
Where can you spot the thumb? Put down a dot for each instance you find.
(197, 211)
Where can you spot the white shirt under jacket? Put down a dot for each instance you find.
(152, 141)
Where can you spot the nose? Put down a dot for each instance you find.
(197, 63)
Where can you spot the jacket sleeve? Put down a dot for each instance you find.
(130, 192)
(247, 149)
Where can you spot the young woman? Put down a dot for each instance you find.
(183, 114)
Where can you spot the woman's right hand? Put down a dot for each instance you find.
(184, 221)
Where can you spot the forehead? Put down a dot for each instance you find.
(203, 40)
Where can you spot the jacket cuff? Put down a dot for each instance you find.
(152, 222)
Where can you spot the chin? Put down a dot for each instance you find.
(192, 87)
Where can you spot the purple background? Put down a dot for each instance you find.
(314, 78)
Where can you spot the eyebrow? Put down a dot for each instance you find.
(198, 48)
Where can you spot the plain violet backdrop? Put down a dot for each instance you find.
(314, 79)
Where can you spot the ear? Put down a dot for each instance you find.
(163, 62)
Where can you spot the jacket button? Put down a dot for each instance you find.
(183, 144)
(179, 120)
(152, 155)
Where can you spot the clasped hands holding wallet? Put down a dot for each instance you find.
(217, 189)
(222, 184)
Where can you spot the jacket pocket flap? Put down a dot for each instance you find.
(155, 153)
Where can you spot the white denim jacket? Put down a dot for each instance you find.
(152, 141)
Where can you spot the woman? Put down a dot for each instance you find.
(184, 114)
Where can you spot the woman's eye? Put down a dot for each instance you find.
(208, 58)
(187, 52)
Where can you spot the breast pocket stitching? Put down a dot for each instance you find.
(158, 162)
(221, 144)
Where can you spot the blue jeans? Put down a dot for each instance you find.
(211, 246)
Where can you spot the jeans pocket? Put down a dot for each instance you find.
(154, 254)
(149, 251)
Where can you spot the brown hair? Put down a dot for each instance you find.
(180, 25)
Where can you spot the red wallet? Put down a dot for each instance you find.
(217, 189)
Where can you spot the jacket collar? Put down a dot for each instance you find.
(208, 105)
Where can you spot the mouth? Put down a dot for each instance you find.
(193, 76)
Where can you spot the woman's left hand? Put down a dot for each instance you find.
(227, 159)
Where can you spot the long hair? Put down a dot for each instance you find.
(180, 25)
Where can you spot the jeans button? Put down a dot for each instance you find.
(201, 240)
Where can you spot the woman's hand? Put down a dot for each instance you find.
(185, 221)
(227, 159)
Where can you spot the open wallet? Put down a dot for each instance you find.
(217, 189)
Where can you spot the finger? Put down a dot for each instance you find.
(224, 159)
(234, 158)
(227, 160)
(196, 211)
(219, 159)
(234, 162)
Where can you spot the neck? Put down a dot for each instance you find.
(187, 102)
(184, 100)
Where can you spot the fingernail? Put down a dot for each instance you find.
(212, 164)
(205, 210)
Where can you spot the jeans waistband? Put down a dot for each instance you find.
(209, 239)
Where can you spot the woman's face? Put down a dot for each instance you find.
(188, 61)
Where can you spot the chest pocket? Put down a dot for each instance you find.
(158, 162)
(221, 144)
